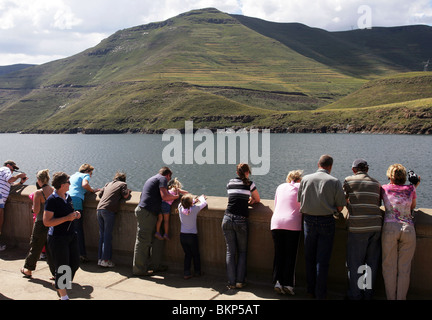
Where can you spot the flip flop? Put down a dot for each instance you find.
(28, 276)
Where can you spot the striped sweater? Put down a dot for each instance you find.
(238, 197)
(364, 200)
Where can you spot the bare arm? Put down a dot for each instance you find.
(37, 202)
(255, 197)
(167, 196)
(50, 221)
(21, 176)
(86, 185)
(127, 194)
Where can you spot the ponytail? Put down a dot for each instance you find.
(242, 169)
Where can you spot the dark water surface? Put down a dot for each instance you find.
(140, 156)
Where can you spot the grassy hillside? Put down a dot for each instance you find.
(216, 69)
(394, 89)
(146, 107)
(155, 106)
(367, 53)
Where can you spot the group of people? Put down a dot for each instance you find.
(313, 203)
(58, 228)
(309, 203)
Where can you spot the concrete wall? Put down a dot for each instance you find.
(18, 227)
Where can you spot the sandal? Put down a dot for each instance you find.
(26, 275)
(158, 236)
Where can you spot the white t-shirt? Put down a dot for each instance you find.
(5, 175)
(188, 217)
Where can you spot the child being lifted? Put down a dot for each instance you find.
(174, 188)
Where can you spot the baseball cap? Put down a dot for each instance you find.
(12, 163)
(360, 163)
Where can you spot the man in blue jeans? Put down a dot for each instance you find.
(321, 197)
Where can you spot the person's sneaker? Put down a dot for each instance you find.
(166, 237)
(289, 290)
(230, 286)
(278, 288)
(107, 264)
(240, 285)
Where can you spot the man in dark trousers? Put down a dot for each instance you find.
(148, 249)
(321, 197)
(364, 220)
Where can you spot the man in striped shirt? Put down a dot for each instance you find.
(6, 180)
(364, 230)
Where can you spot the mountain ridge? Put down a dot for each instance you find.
(221, 70)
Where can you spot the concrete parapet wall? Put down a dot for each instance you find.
(18, 227)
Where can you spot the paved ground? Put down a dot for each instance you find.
(95, 283)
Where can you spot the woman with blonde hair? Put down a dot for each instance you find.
(398, 233)
(241, 193)
(39, 235)
(285, 226)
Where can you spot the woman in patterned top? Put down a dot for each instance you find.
(398, 233)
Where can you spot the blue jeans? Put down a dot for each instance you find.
(106, 224)
(319, 233)
(235, 230)
(79, 225)
(362, 249)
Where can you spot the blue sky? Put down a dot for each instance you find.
(39, 31)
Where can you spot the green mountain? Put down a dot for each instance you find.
(216, 69)
(13, 68)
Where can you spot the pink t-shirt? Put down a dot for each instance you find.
(397, 202)
(171, 192)
(286, 213)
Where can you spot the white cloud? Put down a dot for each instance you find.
(337, 15)
(38, 31)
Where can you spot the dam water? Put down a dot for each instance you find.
(140, 156)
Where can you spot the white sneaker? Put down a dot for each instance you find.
(289, 290)
(278, 288)
(107, 264)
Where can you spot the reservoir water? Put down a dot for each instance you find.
(140, 156)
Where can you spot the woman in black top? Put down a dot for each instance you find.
(62, 239)
(241, 193)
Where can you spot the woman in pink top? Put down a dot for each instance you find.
(286, 225)
(398, 233)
